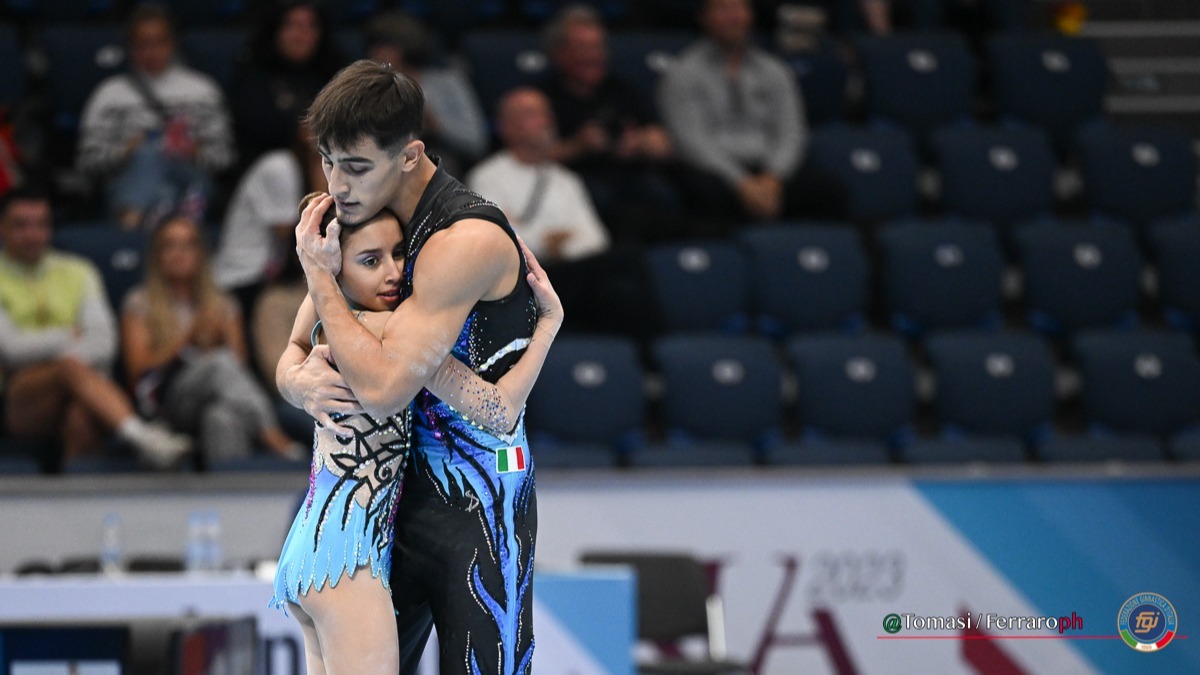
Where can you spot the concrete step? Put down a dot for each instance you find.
(1122, 10)
(1156, 76)
(1146, 39)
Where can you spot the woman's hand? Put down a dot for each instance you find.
(550, 309)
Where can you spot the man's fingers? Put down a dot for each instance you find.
(326, 421)
(343, 407)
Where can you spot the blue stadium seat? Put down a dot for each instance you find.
(192, 14)
(63, 11)
(451, 19)
(964, 450)
(1185, 447)
(1174, 247)
(1053, 82)
(1101, 448)
(993, 385)
(117, 253)
(806, 277)
(921, 81)
(354, 12)
(996, 175)
(1139, 382)
(721, 400)
(500, 60)
(215, 52)
(1079, 276)
(13, 77)
(20, 456)
(822, 75)
(589, 405)
(877, 168)
(541, 11)
(18, 466)
(700, 286)
(78, 58)
(640, 57)
(1138, 174)
(855, 399)
(941, 275)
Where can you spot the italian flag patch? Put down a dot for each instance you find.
(510, 459)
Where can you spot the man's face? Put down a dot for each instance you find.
(526, 120)
(151, 46)
(728, 21)
(363, 178)
(25, 229)
(582, 57)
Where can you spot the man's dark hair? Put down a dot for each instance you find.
(24, 192)
(367, 99)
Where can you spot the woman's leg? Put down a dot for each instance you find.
(314, 663)
(356, 625)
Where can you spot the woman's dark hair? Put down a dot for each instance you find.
(262, 51)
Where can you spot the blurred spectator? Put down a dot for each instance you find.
(292, 54)
(455, 128)
(736, 115)
(609, 132)
(258, 234)
(549, 207)
(157, 135)
(57, 343)
(185, 350)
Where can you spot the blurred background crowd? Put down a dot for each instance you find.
(785, 231)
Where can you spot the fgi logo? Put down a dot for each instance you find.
(1147, 622)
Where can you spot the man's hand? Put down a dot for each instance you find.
(318, 254)
(554, 243)
(322, 391)
(761, 196)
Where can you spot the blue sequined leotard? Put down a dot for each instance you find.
(346, 521)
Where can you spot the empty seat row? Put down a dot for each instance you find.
(855, 397)
(1004, 175)
(800, 277)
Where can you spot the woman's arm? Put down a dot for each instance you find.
(138, 350)
(497, 407)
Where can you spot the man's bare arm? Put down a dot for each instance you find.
(467, 262)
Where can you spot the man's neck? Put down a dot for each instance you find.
(28, 265)
(405, 203)
(527, 155)
(733, 53)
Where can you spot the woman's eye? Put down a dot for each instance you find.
(370, 262)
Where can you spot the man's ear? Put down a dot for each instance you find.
(412, 154)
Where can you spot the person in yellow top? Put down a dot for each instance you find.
(57, 342)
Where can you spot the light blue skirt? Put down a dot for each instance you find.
(333, 534)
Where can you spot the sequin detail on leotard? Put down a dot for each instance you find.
(346, 520)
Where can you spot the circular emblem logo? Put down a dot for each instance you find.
(1147, 622)
(891, 623)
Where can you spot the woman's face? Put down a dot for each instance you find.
(372, 262)
(298, 35)
(179, 253)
